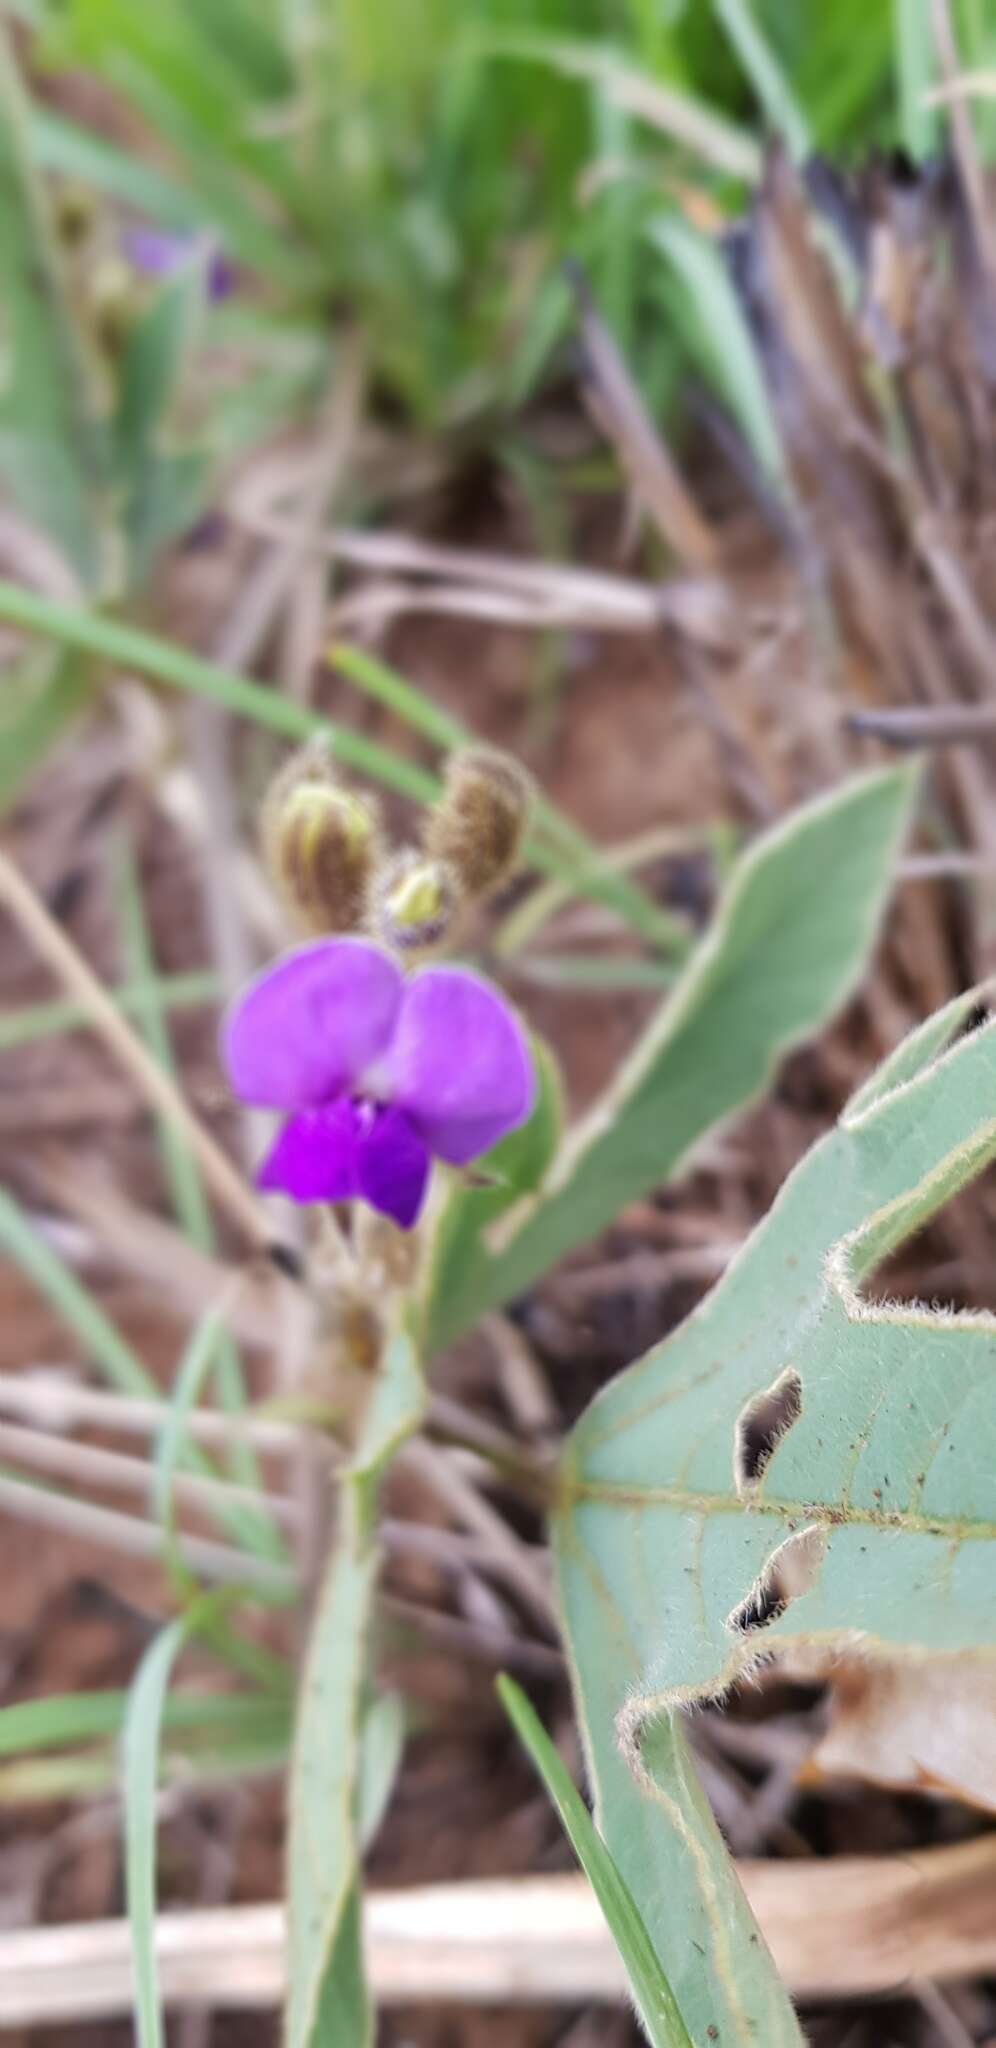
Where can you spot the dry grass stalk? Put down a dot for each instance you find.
(837, 1928)
(155, 1085)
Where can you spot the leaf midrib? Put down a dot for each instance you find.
(604, 1493)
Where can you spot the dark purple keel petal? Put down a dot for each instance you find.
(315, 1156)
(460, 1063)
(393, 1167)
(305, 1029)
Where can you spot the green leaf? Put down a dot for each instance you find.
(58, 144)
(207, 1736)
(330, 1783)
(161, 491)
(788, 943)
(382, 1745)
(43, 698)
(654, 1998)
(140, 1770)
(919, 125)
(50, 452)
(766, 75)
(793, 1465)
(706, 306)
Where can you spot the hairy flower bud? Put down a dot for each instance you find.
(415, 902)
(321, 843)
(74, 212)
(114, 302)
(478, 826)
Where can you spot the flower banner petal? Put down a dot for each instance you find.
(460, 1063)
(305, 1029)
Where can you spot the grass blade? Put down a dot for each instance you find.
(169, 992)
(721, 340)
(766, 75)
(140, 1771)
(653, 1996)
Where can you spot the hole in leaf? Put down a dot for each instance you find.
(761, 1427)
(791, 1570)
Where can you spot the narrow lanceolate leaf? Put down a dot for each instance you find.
(795, 1466)
(655, 2000)
(789, 942)
(330, 1791)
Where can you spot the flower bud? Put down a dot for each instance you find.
(114, 302)
(415, 902)
(478, 826)
(74, 212)
(320, 843)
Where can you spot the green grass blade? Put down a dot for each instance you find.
(913, 41)
(104, 1344)
(718, 335)
(59, 144)
(652, 1993)
(46, 700)
(140, 1772)
(174, 665)
(160, 659)
(182, 1172)
(180, 1168)
(63, 1719)
(49, 436)
(72, 1301)
(191, 991)
(769, 80)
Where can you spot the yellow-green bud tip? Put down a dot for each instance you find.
(415, 902)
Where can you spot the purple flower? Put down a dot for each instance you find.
(379, 1072)
(160, 251)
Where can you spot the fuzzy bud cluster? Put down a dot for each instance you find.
(477, 828)
(322, 846)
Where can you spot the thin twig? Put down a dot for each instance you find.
(49, 1399)
(522, 1568)
(83, 1519)
(93, 1465)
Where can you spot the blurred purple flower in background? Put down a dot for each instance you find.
(160, 251)
(379, 1072)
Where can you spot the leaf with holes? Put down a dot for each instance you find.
(795, 1465)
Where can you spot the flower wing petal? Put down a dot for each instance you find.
(460, 1063)
(304, 1030)
(393, 1166)
(314, 1158)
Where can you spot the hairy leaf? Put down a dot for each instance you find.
(794, 1465)
(788, 943)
